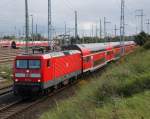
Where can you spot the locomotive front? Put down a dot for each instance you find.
(27, 74)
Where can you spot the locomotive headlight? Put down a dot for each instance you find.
(39, 81)
(16, 80)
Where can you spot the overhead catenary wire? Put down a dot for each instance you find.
(69, 5)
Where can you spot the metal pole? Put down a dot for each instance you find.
(96, 30)
(32, 29)
(115, 29)
(96, 34)
(105, 28)
(148, 25)
(36, 32)
(141, 15)
(122, 26)
(105, 32)
(27, 25)
(15, 34)
(65, 29)
(76, 26)
(83, 37)
(49, 23)
(92, 33)
(100, 29)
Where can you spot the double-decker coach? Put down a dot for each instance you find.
(93, 55)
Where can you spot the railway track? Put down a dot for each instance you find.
(7, 55)
(19, 106)
(6, 90)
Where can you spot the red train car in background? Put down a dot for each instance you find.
(41, 72)
(20, 44)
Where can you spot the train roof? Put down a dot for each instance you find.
(92, 47)
(85, 49)
(51, 55)
(117, 44)
(60, 54)
(96, 47)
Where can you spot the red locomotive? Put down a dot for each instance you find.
(41, 72)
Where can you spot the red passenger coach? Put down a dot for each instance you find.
(114, 51)
(39, 72)
(109, 53)
(93, 55)
(129, 46)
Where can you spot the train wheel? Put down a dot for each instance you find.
(65, 82)
(15, 93)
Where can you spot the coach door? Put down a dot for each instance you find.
(87, 63)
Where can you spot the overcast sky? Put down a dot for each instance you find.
(89, 12)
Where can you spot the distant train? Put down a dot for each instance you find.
(20, 44)
(43, 72)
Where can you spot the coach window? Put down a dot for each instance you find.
(48, 63)
(87, 59)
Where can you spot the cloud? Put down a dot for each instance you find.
(89, 12)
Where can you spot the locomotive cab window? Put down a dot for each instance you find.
(21, 64)
(28, 64)
(34, 64)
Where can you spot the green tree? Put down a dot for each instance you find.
(141, 38)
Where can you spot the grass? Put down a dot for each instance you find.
(121, 92)
(6, 74)
(5, 71)
(135, 107)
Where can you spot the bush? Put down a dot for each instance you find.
(147, 45)
(141, 38)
